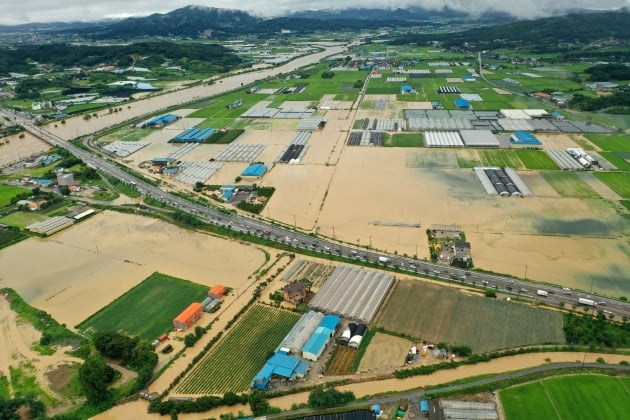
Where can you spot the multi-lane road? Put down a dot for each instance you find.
(555, 295)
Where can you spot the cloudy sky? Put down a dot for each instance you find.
(14, 12)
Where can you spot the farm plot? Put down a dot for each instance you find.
(341, 361)
(232, 365)
(500, 158)
(148, 309)
(569, 397)
(536, 159)
(404, 140)
(620, 159)
(7, 192)
(444, 314)
(308, 270)
(619, 182)
(567, 184)
(610, 142)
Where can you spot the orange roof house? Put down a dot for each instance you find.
(188, 317)
(217, 291)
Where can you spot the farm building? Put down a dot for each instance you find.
(301, 332)
(193, 135)
(462, 103)
(162, 161)
(347, 333)
(479, 138)
(217, 291)
(357, 336)
(161, 121)
(469, 78)
(280, 364)
(50, 225)
(315, 345)
(524, 138)
(209, 304)
(295, 292)
(188, 317)
(255, 170)
(353, 292)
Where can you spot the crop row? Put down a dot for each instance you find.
(233, 363)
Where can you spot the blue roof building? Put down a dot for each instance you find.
(469, 78)
(404, 89)
(256, 170)
(524, 138)
(556, 115)
(280, 364)
(462, 103)
(193, 135)
(315, 345)
(162, 120)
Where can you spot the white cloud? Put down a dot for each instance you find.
(17, 12)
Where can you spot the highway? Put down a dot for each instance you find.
(553, 295)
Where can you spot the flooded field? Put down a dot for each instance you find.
(87, 266)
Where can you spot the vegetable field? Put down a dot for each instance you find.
(567, 184)
(570, 397)
(617, 181)
(148, 309)
(232, 365)
(536, 159)
(437, 313)
(500, 158)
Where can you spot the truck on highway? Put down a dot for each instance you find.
(383, 260)
(542, 293)
(587, 302)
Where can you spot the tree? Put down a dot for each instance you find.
(190, 340)
(258, 404)
(490, 293)
(64, 190)
(199, 331)
(328, 397)
(95, 376)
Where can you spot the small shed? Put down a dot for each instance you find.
(406, 89)
(254, 171)
(217, 292)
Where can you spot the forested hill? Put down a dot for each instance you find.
(576, 28)
(64, 55)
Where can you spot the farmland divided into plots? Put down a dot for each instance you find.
(437, 313)
(231, 366)
(536, 159)
(619, 182)
(567, 184)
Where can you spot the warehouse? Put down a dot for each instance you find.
(442, 139)
(188, 317)
(294, 341)
(353, 292)
(524, 138)
(316, 344)
(193, 135)
(217, 292)
(479, 138)
(282, 365)
(254, 171)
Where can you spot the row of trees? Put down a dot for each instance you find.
(585, 103)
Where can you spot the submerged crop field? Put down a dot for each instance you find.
(569, 397)
(231, 366)
(148, 309)
(437, 313)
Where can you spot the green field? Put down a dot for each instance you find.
(500, 158)
(610, 142)
(619, 182)
(620, 159)
(8, 237)
(567, 184)
(536, 159)
(232, 365)
(576, 397)
(127, 134)
(7, 192)
(148, 309)
(404, 140)
(22, 219)
(444, 314)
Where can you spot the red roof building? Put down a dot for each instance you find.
(217, 292)
(188, 317)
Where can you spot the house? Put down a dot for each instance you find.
(188, 317)
(65, 179)
(462, 251)
(32, 204)
(295, 292)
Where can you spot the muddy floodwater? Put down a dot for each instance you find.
(77, 271)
